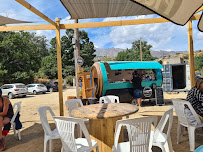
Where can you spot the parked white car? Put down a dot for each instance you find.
(14, 90)
(36, 88)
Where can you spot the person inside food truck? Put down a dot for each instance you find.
(137, 87)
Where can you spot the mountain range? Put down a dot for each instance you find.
(112, 52)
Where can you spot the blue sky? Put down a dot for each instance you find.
(164, 36)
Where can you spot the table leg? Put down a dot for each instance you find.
(102, 130)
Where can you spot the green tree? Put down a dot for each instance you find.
(186, 57)
(133, 54)
(21, 56)
(121, 56)
(67, 51)
(106, 58)
(160, 61)
(199, 62)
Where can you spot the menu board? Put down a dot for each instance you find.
(159, 96)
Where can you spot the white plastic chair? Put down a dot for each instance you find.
(139, 130)
(179, 106)
(48, 133)
(159, 138)
(109, 99)
(72, 104)
(18, 104)
(66, 127)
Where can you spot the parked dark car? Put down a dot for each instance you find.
(52, 86)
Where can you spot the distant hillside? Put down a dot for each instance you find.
(109, 52)
(162, 54)
(112, 52)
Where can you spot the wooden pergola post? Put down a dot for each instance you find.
(191, 53)
(59, 65)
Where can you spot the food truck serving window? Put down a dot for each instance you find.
(116, 76)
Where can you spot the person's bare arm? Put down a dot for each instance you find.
(6, 105)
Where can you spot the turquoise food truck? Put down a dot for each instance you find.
(113, 78)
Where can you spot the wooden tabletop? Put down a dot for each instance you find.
(104, 111)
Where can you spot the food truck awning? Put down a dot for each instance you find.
(119, 65)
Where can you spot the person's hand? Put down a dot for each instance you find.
(131, 82)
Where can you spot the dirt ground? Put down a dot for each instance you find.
(33, 134)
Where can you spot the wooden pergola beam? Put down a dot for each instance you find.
(34, 10)
(199, 10)
(88, 25)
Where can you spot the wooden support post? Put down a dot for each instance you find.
(59, 65)
(191, 53)
(77, 53)
(141, 48)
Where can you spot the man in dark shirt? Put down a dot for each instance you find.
(137, 87)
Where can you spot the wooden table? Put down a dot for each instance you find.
(102, 119)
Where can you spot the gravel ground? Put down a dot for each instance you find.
(33, 134)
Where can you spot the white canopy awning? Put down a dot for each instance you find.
(6, 20)
(81, 9)
(177, 11)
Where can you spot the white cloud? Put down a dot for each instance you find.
(127, 18)
(48, 33)
(67, 20)
(101, 37)
(156, 34)
(200, 35)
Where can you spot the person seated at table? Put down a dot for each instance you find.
(137, 87)
(195, 97)
(6, 114)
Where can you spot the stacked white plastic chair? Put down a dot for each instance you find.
(71, 104)
(49, 134)
(179, 106)
(18, 104)
(109, 99)
(139, 130)
(66, 127)
(158, 137)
